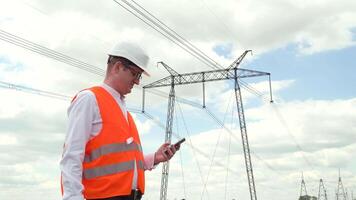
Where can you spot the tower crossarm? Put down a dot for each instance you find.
(237, 62)
(168, 68)
(205, 76)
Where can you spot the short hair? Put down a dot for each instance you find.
(113, 59)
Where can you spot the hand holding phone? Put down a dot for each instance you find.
(176, 145)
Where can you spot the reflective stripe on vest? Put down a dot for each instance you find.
(111, 169)
(111, 148)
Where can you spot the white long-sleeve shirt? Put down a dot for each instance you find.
(85, 123)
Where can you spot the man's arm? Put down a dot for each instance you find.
(149, 161)
(164, 153)
(81, 116)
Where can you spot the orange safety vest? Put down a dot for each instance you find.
(110, 157)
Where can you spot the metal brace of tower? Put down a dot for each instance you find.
(231, 73)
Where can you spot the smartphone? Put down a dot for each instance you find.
(176, 145)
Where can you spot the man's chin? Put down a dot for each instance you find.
(129, 91)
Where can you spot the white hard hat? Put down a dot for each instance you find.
(133, 53)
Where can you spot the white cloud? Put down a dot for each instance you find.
(271, 144)
(33, 127)
(7, 140)
(144, 127)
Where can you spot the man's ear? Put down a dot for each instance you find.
(117, 66)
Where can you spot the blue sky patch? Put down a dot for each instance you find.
(9, 66)
(223, 50)
(325, 75)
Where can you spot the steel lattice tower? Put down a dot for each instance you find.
(340, 192)
(303, 187)
(322, 191)
(231, 73)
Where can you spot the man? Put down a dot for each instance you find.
(102, 156)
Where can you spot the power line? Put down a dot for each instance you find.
(181, 38)
(26, 44)
(284, 123)
(181, 159)
(219, 20)
(216, 145)
(49, 18)
(167, 32)
(229, 153)
(190, 141)
(21, 88)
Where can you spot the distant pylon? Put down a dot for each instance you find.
(322, 191)
(303, 187)
(347, 195)
(340, 193)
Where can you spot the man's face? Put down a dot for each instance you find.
(127, 76)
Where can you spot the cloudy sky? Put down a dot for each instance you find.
(307, 46)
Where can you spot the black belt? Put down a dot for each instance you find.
(135, 195)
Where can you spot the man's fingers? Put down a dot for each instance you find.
(169, 152)
(165, 154)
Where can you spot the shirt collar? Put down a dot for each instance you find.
(113, 92)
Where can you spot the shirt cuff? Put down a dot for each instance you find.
(76, 197)
(149, 161)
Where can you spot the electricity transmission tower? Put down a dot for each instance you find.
(303, 188)
(231, 73)
(340, 193)
(322, 191)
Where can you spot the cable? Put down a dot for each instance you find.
(284, 123)
(253, 90)
(217, 143)
(21, 88)
(279, 116)
(228, 154)
(26, 44)
(191, 143)
(219, 20)
(44, 93)
(162, 33)
(180, 37)
(183, 179)
(49, 18)
(174, 38)
(180, 158)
